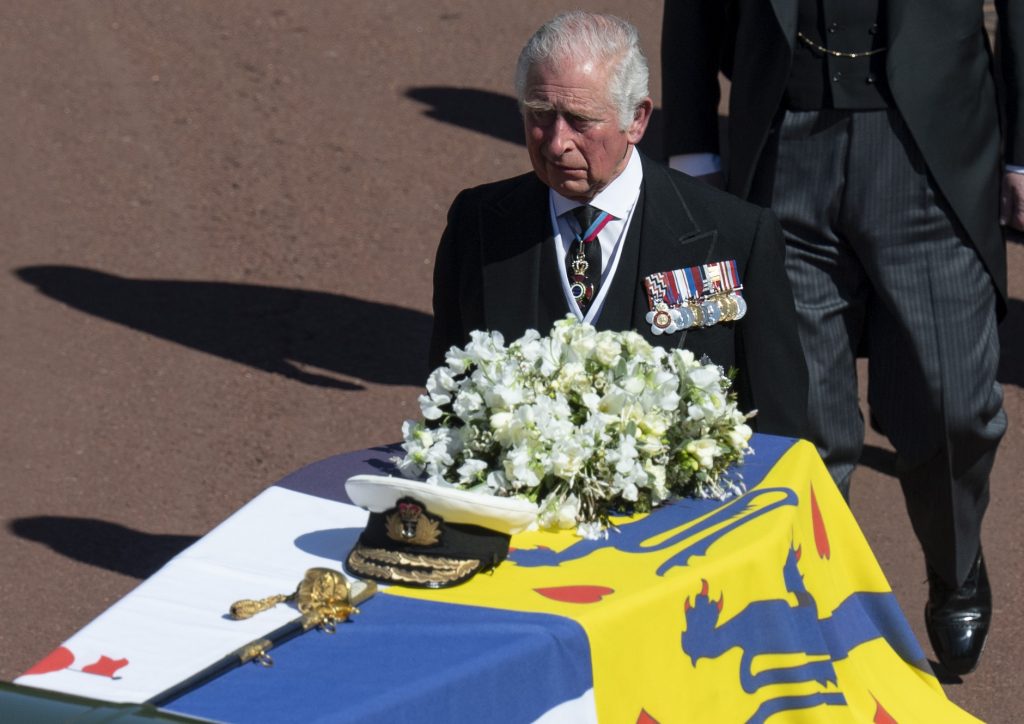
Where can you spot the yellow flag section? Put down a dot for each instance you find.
(767, 608)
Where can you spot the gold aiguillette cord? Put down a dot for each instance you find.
(324, 598)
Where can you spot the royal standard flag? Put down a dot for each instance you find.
(767, 607)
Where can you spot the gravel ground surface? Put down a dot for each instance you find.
(218, 234)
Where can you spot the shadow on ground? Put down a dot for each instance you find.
(273, 329)
(497, 115)
(492, 114)
(102, 544)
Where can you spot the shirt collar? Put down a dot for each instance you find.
(617, 198)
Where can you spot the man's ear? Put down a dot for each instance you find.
(641, 117)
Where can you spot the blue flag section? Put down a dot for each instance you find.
(409, 661)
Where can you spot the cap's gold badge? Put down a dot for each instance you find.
(408, 523)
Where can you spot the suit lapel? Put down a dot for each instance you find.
(786, 14)
(522, 289)
(894, 12)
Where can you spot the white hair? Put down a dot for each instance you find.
(579, 37)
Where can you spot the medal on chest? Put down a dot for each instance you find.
(697, 296)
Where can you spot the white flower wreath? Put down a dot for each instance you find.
(582, 423)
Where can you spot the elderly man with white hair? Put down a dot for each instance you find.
(601, 232)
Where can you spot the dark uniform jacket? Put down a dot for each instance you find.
(496, 269)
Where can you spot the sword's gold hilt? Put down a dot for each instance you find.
(247, 607)
(324, 598)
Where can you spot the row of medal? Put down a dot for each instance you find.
(699, 296)
(697, 313)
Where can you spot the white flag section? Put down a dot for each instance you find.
(176, 624)
(582, 710)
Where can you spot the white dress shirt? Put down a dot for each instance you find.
(617, 198)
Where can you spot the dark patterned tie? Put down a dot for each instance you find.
(583, 262)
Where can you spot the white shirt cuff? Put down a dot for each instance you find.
(696, 164)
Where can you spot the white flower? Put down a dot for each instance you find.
(467, 403)
(684, 359)
(568, 458)
(582, 342)
(441, 382)
(501, 426)
(613, 401)
(572, 378)
(430, 407)
(634, 385)
(626, 486)
(591, 401)
(656, 475)
(551, 356)
(469, 471)
(704, 450)
(706, 378)
(591, 531)
(654, 426)
(518, 469)
(739, 436)
(529, 346)
(635, 345)
(559, 512)
(505, 394)
(607, 350)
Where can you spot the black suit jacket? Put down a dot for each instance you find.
(939, 69)
(496, 269)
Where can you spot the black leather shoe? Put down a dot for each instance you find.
(958, 619)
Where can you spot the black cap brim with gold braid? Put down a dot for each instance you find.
(430, 537)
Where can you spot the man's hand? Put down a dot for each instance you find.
(1012, 203)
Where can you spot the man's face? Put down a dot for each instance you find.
(572, 129)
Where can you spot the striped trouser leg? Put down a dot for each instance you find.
(829, 283)
(894, 271)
